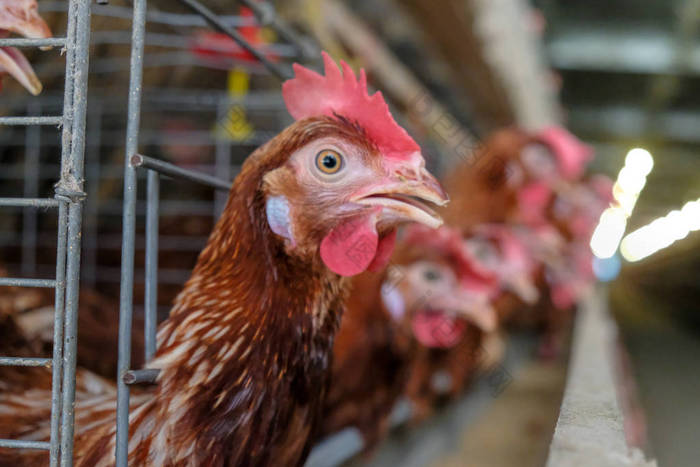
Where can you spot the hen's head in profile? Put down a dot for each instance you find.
(497, 251)
(435, 290)
(346, 173)
(20, 17)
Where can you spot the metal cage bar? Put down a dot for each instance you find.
(69, 191)
(31, 190)
(126, 376)
(68, 199)
(174, 171)
(151, 292)
(126, 294)
(16, 121)
(24, 42)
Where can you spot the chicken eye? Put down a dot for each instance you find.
(329, 161)
(431, 275)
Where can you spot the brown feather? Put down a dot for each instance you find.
(245, 352)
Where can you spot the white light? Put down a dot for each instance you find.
(609, 232)
(691, 214)
(640, 161)
(613, 222)
(636, 246)
(631, 181)
(625, 200)
(676, 228)
(661, 232)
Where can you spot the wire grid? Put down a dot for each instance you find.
(35, 140)
(24, 237)
(68, 199)
(156, 168)
(104, 107)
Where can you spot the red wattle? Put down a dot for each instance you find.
(351, 247)
(384, 251)
(434, 329)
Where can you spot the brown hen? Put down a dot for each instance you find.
(245, 353)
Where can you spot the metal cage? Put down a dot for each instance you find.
(68, 199)
(71, 200)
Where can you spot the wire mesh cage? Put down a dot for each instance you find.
(173, 149)
(228, 126)
(68, 199)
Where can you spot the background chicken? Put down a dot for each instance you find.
(483, 189)
(447, 320)
(529, 183)
(20, 17)
(245, 353)
(376, 342)
(26, 328)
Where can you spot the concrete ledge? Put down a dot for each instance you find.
(590, 429)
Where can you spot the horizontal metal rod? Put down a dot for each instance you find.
(171, 170)
(153, 16)
(24, 42)
(29, 202)
(194, 100)
(49, 171)
(218, 24)
(22, 444)
(31, 120)
(21, 361)
(18, 282)
(145, 376)
(267, 16)
(178, 41)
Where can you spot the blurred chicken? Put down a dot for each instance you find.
(26, 328)
(498, 251)
(419, 294)
(244, 356)
(536, 193)
(566, 209)
(448, 349)
(20, 17)
(483, 190)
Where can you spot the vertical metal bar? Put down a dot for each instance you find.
(222, 155)
(31, 190)
(93, 183)
(151, 295)
(57, 412)
(126, 304)
(58, 318)
(70, 187)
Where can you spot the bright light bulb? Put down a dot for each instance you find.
(609, 232)
(626, 201)
(637, 245)
(631, 181)
(661, 232)
(640, 161)
(691, 215)
(676, 227)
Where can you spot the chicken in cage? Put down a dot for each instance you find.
(328, 233)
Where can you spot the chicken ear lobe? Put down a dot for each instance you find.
(277, 212)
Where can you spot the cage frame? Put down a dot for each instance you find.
(68, 199)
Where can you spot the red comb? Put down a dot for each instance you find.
(448, 242)
(571, 153)
(309, 94)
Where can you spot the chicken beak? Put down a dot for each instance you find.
(524, 288)
(404, 196)
(13, 62)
